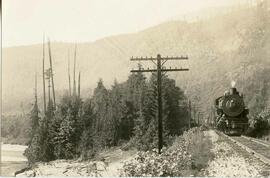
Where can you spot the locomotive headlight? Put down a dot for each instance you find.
(232, 104)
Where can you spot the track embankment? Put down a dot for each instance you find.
(255, 151)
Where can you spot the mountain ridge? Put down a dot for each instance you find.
(213, 46)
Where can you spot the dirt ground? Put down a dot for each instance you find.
(107, 163)
(8, 168)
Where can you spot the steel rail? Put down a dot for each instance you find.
(257, 141)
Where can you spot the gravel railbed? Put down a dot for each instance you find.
(232, 161)
(264, 169)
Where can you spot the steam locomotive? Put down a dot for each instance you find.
(231, 113)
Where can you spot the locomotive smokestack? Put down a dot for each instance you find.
(233, 91)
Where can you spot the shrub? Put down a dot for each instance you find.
(260, 126)
(187, 156)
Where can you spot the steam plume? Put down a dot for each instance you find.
(233, 83)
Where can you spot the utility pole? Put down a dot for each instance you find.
(159, 61)
(189, 119)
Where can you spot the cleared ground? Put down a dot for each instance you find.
(107, 163)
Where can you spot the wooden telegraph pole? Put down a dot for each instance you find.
(159, 61)
(189, 119)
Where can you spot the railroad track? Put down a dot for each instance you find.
(255, 150)
(258, 148)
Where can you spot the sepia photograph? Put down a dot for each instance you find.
(135, 88)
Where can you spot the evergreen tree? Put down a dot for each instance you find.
(66, 147)
(86, 141)
(34, 145)
(174, 118)
(146, 124)
(47, 133)
(121, 122)
(67, 126)
(101, 103)
(33, 151)
(34, 120)
(136, 86)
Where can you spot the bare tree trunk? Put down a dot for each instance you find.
(49, 87)
(74, 72)
(36, 88)
(43, 75)
(69, 86)
(50, 56)
(79, 85)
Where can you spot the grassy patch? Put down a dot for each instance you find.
(199, 147)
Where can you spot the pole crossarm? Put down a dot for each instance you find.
(162, 70)
(155, 58)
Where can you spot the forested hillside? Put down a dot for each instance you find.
(221, 49)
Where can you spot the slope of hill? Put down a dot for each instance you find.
(218, 48)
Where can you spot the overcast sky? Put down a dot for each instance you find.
(25, 21)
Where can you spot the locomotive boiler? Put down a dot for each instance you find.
(231, 113)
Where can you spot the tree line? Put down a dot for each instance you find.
(126, 113)
(14, 129)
